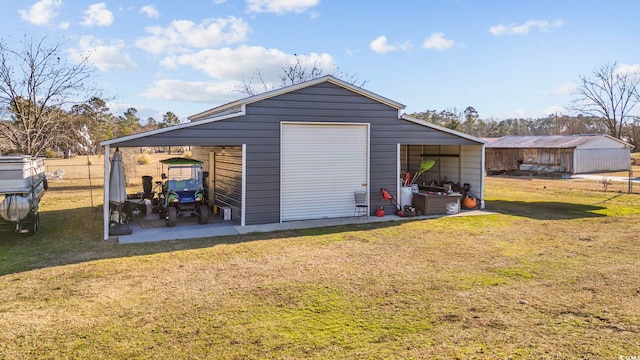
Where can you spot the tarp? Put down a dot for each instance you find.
(117, 191)
(180, 161)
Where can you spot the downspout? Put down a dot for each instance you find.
(459, 164)
(482, 176)
(243, 205)
(398, 166)
(105, 206)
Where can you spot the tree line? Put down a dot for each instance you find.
(104, 125)
(469, 122)
(61, 132)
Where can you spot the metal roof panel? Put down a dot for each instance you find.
(543, 141)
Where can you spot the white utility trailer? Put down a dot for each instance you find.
(22, 185)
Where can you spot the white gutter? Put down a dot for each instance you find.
(482, 177)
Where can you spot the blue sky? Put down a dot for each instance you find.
(506, 58)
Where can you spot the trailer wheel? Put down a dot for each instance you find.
(172, 215)
(36, 224)
(203, 214)
(31, 226)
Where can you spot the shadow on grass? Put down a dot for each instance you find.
(541, 210)
(74, 236)
(96, 188)
(609, 199)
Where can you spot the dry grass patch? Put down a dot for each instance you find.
(526, 283)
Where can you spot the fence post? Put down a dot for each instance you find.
(90, 186)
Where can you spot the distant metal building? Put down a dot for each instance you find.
(571, 154)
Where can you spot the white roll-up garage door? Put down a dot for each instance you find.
(322, 165)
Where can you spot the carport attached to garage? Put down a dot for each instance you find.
(305, 149)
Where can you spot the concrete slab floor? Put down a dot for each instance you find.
(228, 228)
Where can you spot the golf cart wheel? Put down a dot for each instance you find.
(203, 214)
(172, 215)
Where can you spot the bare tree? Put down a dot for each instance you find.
(300, 70)
(633, 134)
(609, 94)
(247, 86)
(36, 86)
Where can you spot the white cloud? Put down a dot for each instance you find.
(556, 109)
(236, 63)
(567, 88)
(280, 6)
(523, 29)
(150, 11)
(41, 12)
(628, 69)
(98, 15)
(184, 34)
(105, 57)
(438, 42)
(381, 45)
(198, 91)
(64, 25)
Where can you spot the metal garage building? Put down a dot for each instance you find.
(300, 152)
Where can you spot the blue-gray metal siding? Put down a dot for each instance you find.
(227, 179)
(259, 129)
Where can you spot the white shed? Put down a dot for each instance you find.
(571, 154)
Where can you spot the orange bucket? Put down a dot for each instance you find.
(469, 203)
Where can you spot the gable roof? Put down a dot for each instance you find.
(549, 141)
(237, 108)
(443, 129)
(238, 104)
(166, 129)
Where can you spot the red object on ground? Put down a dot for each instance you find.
(469, 203)
(387, 196)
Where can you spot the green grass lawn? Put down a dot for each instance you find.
(553, 274)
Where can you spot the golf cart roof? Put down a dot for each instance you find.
(180, 161)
